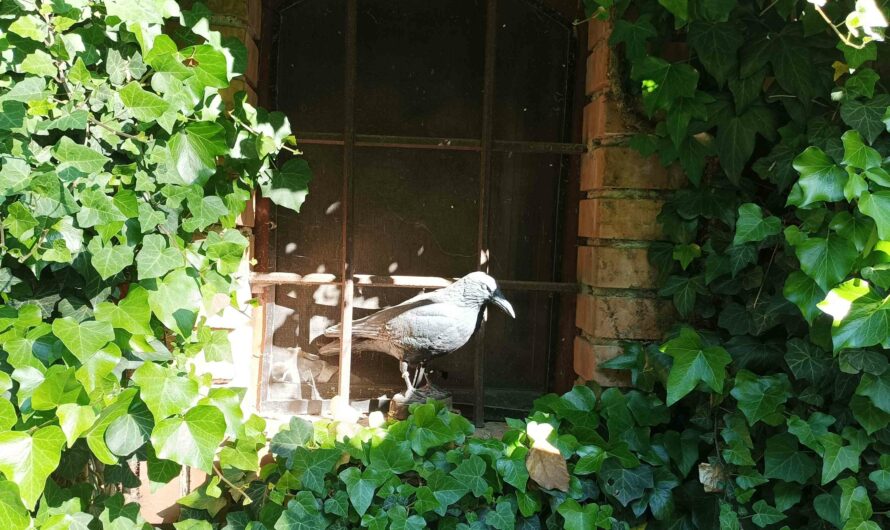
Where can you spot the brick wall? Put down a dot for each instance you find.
(621, 195)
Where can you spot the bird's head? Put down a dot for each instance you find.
(483, 289)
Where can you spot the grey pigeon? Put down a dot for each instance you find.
(427, 326)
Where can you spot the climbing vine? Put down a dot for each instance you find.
(122, 174)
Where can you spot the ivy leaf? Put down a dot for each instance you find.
(861, 317)
(390, 457)
(164, 391)
(191, 439)
(131, 314)
(826, 260)
(144, 105)
(634, 35)
(716, 46)
(113, 411)
(513, 468)
(877, 389)
(175, 301)
(156, 259)
(129, 432)
(585, 517)
(446, 489)
(765, 515)
(735, 144)
(837, 456)
(13, 514)
(784, 460)
(28, 460)
(793, 65)
(470, 473)
(59, 386)
(751, 225)
(694, 363)
(428, 430)
(111, 259)
(302, 513)
(625, 484)
(75, 420)
(867, 117)
(205, 211)
(79, 157)
(83, 339)
(360, 487)
(870, 417)
(501, 517)
(290, 185)
(803, 292)
(671, 81)
(875, 205)
(193, 151)
(820, 178)
(298, 434)
(310, 466)
(806, 360)
(761, 398)
(857, 154)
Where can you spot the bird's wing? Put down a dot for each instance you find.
(433, 329)
(374, 326)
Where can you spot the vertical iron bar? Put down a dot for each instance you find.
(346, 241)
(484, 188)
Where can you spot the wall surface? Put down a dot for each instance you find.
(621, 195)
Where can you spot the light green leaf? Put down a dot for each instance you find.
(83, 339)
(14, 175)
(827, 260)
(156, 259)
(298, 433)
(59, 386)
(145, 106)
(861, 315)
(164, 391)
(175, 300)
(587, 517)
(191, 439)
(13, 514)
(877, 206)
(75, 420)
(111, 259)
(857, 154)
(39, 63)
(193, 151)
(751, 225)
(131, 314)
(289, 186)
(80, 157)
(96, 435)
(694, 363)
(205, 211)
(28, 460)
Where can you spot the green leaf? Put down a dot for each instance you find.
(501, 517)
(857, 154)
(39, 63)
(75, 420)
(302, 513)
(83, 339)
(193, 151)
(13, 514)
(784, 460)
(670, 81)
(624, 484)
(144, 105)
(751, 225)
(191, 439)
(80, 157)
(428, 430)
(803, 292)
(837, 456)
(765, 515)
(290, 185)
(827, 260)
(205, 212)
(12, 115)
(299, 433)
(164, 391)
(392, 457)
(111, 259)
(310, 466)
(867, 117)
(694, 363)
(28, 460)
(806, 360)
(877, 389)
(14, 175)
(446, 489)
(513, 468)
(470, 473)
(716, 46)
(587, 517)
(875, 205)
(131, 314)
(59, 386)
(156, 259)
(634, 35)
(861, 315)
(761, 398)
(98, 209)
(175, 301)
(360, 487)
(129, 432)
(96, 435)
(820, 178)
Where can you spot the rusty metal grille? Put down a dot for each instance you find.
(486, 145)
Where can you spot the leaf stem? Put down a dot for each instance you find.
(846, 40)
(122, 134)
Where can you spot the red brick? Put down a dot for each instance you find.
(623, 317)
(617, 167)
(598, 31)
(603, 119)
(254, 18)
(620, 218)
(598, 69)
(587, 359)
(616, 268)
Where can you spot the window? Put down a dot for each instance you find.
(447, 149)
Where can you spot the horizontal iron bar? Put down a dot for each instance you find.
(258, 279)
(441, 144)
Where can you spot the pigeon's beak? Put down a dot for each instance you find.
(498, 299)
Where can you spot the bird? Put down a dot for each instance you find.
(426, 326)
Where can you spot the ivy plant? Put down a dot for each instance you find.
(123, 170)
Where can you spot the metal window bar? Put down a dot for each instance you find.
(486, 146)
